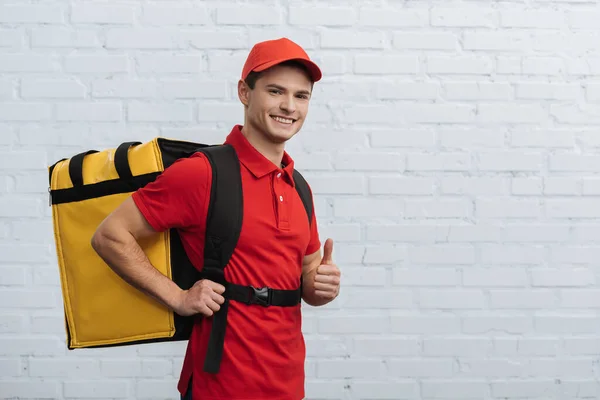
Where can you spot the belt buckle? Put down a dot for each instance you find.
(260, 296)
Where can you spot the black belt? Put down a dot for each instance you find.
(265, 297)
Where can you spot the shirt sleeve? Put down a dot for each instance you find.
(177, 198)
(314, 243)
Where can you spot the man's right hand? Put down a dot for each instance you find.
(205, 298)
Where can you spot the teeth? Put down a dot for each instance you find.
(283, 120)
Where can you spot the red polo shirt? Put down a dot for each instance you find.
(264, 350)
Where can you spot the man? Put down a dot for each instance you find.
(263, 351)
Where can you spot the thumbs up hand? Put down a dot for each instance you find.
(328, 276)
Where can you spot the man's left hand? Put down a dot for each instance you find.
(328, 276)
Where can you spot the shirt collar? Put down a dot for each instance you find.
(252, 159)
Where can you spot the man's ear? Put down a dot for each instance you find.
(243, 92)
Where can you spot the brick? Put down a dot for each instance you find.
(566, 324)
(90, 63)
(64, 38)
(371, 161)
(493, 322)
(167, 13)
(325, 389)
(497, 254)
(370, 276)
(572, 162)
(393, 17)
(30, 388)
(25, 112)
(472, 17)
(450, 389)
(337, 184)
(30, 345)
(52, 367)
(504, 207)
(342, 324)
(414, 113)
(144, 38)
(383, 389)
(7, 89)
(159, 112)
(10, 322)
(385, 64)
(580, 298)
(460, 208)
(12, 38)
(48, 323)
(442, 254)
(529, 389)
(456, 346)
(348, 39)
(12, 276)
(473, 185)
(531, 346)
(404, 138)
(96, 111)
(478, 91)
(544, 91)
(10, 367)
(406, 232)
(85, 13)
(555, 277)
(428, 276)
(365, 368)
(523, 299)
(384, 254)
(444, 161)
(31, 14)
(22, 299)
(360, 207)
(155, 388)
(122, 88)
(523, 18)
(581, 115)
(100, 389)
(536, 233)
(421, 368)
(509, 113)
(220, 112)
(407, 90)
(187, 89)
(51, 88)
(386, 346)
(322, 15)
(217, 39)
(546, 66)
(425, 41)
(381, 299)
(24, 253)
(509, 161)
(437, 324)
(508, 65)
(172, 64)
(472, 138)
(397, 185)
(19, 206)
(494, 277)
(249, 15)
(543, 138)
(574, 208)
(319, 346)
(493, 368)
(446, 299)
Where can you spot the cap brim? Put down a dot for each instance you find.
(314, 70)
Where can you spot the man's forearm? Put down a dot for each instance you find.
(122, 253)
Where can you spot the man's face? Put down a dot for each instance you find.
(278, 104)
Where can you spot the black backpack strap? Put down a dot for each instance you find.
(223, 227)
(304, 192)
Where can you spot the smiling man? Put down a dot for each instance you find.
(263, 351)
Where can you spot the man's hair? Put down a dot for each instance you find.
(253, 75)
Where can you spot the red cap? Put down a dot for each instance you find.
(271, 52)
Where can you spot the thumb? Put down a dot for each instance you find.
(327, 251)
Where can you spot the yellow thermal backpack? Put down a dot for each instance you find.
(100, 308)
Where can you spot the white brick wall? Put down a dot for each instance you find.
(452, 148)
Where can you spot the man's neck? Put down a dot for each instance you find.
(273, 152)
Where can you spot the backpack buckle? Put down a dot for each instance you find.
(260, 296)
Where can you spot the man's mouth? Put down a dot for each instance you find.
(283, 120)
